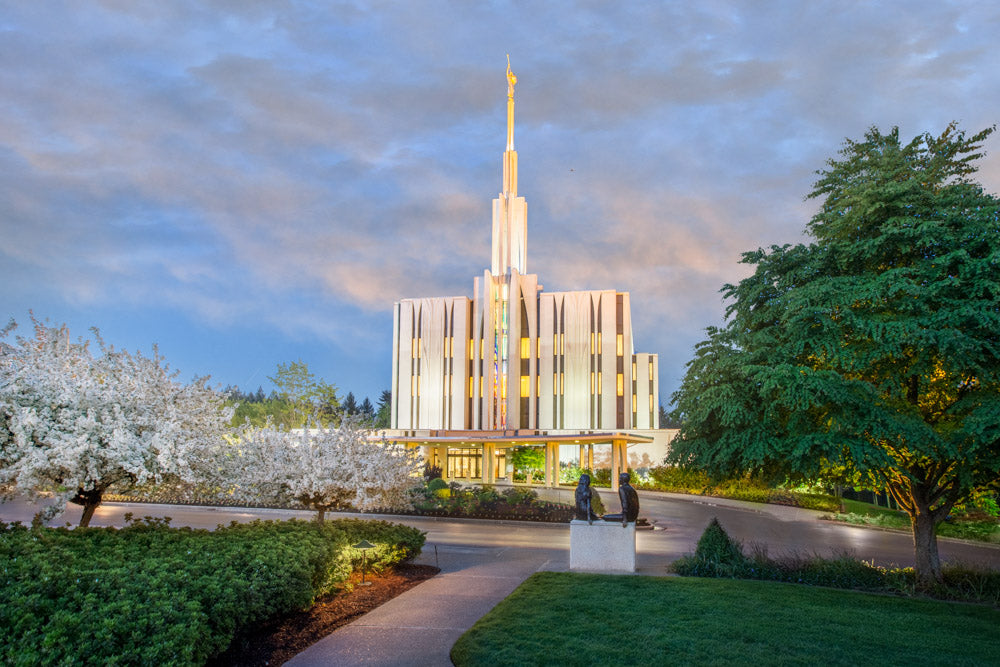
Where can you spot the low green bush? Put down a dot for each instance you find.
(486, 502)
(720, 556)
(716, 555)
(436, 484)
(681, 480)
(151, 594)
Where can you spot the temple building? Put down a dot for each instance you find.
(516, 366)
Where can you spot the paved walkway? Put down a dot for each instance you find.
(420, 626)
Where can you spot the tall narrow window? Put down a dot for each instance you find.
(525, 347)
(650, 371)
(620, 342)
(599, 382)
(525, 386)
(621, 384)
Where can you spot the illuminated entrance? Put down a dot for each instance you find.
(482, 457)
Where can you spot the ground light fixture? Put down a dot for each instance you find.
(364, 546)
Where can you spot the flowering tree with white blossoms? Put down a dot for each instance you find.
(322, 468)
(73, 424)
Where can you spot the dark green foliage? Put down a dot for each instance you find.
(870, 354)
(152, 595)
(676, 479)
(383, 411)
(436, 483)
(488, 503)
(719, 556)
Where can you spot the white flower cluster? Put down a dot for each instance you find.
(322, 468)
(73, 423)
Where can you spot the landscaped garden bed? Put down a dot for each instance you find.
(151, 594)
(436, 498)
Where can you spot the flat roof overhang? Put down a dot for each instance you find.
(467, 439)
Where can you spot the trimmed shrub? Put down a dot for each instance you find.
(717, 555)
(151, 594)
(436, 484)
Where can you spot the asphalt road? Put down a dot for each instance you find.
(679, 522)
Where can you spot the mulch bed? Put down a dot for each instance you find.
(280, 640)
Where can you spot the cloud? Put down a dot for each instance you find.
(303, 166)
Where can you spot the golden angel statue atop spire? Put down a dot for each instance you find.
(511, 79)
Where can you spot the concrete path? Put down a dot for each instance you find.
(420, 626)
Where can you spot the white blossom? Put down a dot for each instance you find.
(73, 423)
(322, 468)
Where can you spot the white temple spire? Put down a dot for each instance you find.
(510, 212)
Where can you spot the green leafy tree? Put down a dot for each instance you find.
(298, 395)
(875, 349)
(530, 460)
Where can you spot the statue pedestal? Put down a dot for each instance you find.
(602, 546)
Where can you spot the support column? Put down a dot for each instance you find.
(619, 461)
(489, 475)
(552, 474)
(590, 456)
(442, 458)
(614, 465)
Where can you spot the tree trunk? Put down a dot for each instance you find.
(925, 548)
(320, 515)
(90, 500)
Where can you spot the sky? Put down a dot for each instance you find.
(247, 183)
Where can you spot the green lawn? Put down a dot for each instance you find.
(558, 618)
(982, 530)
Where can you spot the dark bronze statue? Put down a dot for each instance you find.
(629, 499)
(583, 495)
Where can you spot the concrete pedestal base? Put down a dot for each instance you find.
(601, 546)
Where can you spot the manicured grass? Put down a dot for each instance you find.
(588, 619)
(982, 530)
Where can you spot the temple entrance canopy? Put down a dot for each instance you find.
(485, 456)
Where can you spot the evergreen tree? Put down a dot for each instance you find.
(367, 410)
(383, 414)
(350, 405)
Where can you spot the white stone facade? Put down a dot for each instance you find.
(514, 357)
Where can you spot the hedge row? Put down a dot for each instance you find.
(149, 594)
(682, 480)
(720, 556)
